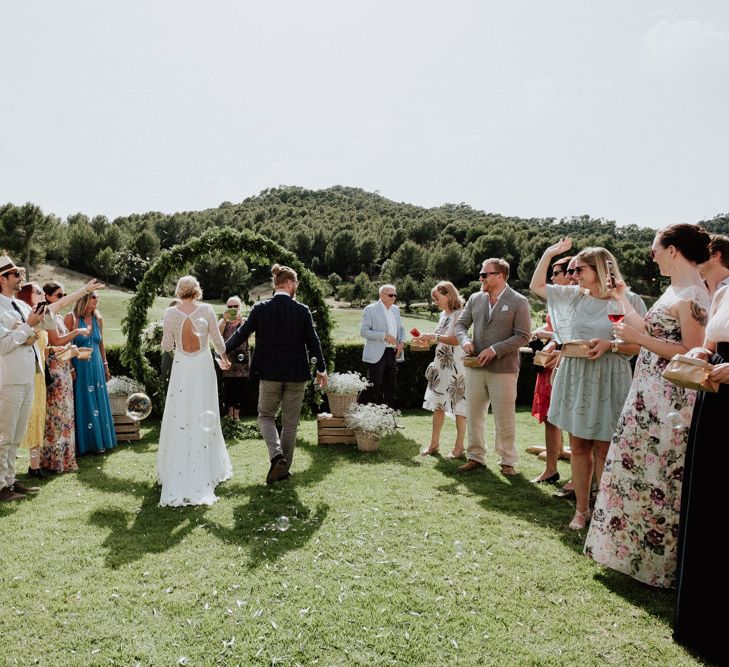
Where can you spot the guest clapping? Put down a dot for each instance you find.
(446, 390)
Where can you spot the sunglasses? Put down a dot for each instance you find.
(579, 269)
(557, 273)
(15, 274)
(60, 295)
(486, 274)
(37, 291)
(392, 296)
(232, 305)
(652, 253)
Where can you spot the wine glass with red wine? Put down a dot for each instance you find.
(615, 313)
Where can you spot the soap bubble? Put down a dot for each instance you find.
(282, 523)
(458, 546)
(139, 406)
(91, 387)
(8, 321)
(208, 419)
(199, 326)
(675, 421)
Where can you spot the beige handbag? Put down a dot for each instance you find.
(576, 348)
(541, 358)
(690, 373)
(471, 362)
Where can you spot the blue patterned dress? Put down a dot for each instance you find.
(94, 423)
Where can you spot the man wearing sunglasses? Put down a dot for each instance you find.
(501, 325)
(384, 337)
(19, 362)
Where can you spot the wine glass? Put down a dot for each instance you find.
(615, 313)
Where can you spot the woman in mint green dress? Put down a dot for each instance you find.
(94, 423)
(587, 392)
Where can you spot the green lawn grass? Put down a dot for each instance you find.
(369, 572)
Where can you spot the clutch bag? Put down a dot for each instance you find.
(419, 346)
(690, 373)
(541, 358)
(576, 348)
(471, 362)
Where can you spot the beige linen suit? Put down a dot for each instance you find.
(505, 331)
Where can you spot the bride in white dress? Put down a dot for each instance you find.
(192, 457)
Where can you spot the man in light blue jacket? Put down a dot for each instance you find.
(384, 339)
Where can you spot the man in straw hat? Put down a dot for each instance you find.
(20, 359)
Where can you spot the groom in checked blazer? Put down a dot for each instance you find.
(285, 340)
(501, 322)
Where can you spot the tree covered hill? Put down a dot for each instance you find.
(341, 230)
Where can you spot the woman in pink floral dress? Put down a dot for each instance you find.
(634, 525)
(58, 451)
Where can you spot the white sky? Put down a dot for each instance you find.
(614, 109)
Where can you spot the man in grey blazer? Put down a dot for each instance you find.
(501, 322)
(384, 339)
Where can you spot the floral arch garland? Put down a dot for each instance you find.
(255, 249)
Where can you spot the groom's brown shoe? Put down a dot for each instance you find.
(470, 466)
(278, 468)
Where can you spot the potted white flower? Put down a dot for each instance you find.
(342, 390)
(370, 423)
(120, 388)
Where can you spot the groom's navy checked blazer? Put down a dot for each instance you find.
(285, 340)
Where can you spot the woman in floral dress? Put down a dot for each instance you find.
(446, 391)
(58, 452)
(635, 522)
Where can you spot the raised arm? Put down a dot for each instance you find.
(70, 299)
(538, 284)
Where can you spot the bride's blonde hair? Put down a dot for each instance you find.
(188, 288)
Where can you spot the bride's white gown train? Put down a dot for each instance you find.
(191, 460)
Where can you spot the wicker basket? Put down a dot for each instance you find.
(339, 404)
(367, 442)
(118, 404)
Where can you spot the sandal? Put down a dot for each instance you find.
(580, 520)
(453, 454)
(430, 451)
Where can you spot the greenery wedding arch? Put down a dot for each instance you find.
(255, 249)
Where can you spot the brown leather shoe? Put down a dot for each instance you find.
(19, 487)
(508, 471)
(8, 494)
(470, 466)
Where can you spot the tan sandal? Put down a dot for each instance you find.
(452, 455)
(580, 520)
(430, 451)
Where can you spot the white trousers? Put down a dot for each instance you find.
(16, 401)
(484, 388)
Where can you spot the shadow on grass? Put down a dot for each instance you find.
(658, 601)
(152, 529)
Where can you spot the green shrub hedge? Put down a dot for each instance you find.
(348, 357)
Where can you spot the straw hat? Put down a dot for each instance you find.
(7, 265)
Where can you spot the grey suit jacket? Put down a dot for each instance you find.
(506, 331)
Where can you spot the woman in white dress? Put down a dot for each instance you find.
(192, 458)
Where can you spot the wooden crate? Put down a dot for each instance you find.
(126, 428)
(332, 431)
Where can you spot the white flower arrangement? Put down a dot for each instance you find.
(346, 383)
(152, 335)
(121, 385)
(377, 420)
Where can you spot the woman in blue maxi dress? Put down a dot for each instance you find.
(94, 423)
